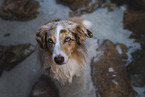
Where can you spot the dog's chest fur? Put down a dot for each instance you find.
(64, 73)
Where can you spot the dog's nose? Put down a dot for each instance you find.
(59, 60)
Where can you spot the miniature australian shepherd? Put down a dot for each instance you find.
(61, 48)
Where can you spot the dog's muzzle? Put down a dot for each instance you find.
(59, 60)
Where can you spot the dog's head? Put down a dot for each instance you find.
(61, 38)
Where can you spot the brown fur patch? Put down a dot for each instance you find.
(77, 20)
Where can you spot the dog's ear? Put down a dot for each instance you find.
(84, 31)
(81, 34)
(41, 38)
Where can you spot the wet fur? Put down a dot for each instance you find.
(77, 60)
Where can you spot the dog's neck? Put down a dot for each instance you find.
(66, 72)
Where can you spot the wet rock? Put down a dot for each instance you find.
(109, 73)
(44, 88)
(135, 21)
(12, 55)
(19, 9)
(82, 6)
(136, 69)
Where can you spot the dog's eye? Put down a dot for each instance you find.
(67, 39)
(50, 40)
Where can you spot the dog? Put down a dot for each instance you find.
(62, 48)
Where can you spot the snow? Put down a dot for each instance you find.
(87, 24)
(140, 91)
(114, 75)
(110, 69)
(99, 54)
(38, 92)
(123, 7)
(119, 49)
(115, 82)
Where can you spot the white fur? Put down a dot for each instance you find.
(87, 24)
(66, 72)
(57, 48)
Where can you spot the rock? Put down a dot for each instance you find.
(82, 6)
(44, 88)
(1, 71)
(19, 9)
(138, 80)
(119, 2)
(132, 4)
(139, 3)
(135, 21)
(109, 73)
(122, 49)
(138, 64)
(136, 69)
(12, 55)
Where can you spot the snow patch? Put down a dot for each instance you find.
(114, 75)
(37, 92)
(115, 82)
(119, 49)
(87, 24)
(123, 7)
(140, 91)
(99, 54)
(110, 69)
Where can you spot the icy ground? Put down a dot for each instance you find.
(19, 81)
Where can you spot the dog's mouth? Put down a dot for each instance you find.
(61, 63)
